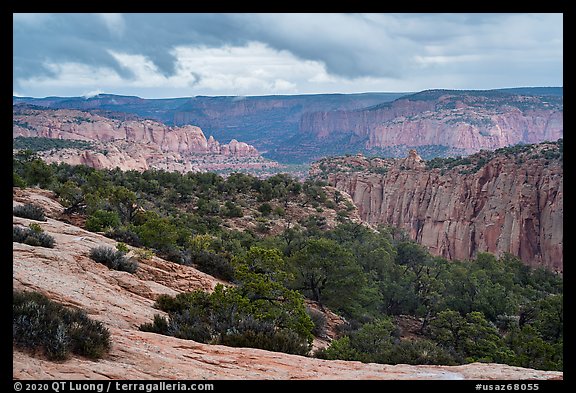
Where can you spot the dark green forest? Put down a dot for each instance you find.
(489, 309)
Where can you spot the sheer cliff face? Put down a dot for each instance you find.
(509, 205)
(460, 120)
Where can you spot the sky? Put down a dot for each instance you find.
(183, 55)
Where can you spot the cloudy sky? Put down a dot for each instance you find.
(176, 55)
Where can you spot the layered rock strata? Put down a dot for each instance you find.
(508, 205)
(465, 120)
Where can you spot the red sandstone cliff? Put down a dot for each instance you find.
(456, 119)
(73, 124)
(132, 144)
(509, 204)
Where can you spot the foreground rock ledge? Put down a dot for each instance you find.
(146, 356)
(123, 301)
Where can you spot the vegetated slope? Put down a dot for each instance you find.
(123, 301)
(496, 310)
(506, 201)
(128, 142)
(448, 120)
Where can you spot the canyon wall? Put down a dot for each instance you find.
(508, 205)
(129, 143)
(466, 120)
(73, 124)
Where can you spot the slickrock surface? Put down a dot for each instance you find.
(123, 301)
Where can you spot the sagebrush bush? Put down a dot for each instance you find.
(114, 259)
(46, 327)
(253, 333)
(219, 318)
(29, 210)
(32, 236)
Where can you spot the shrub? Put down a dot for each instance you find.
(228, 317)
(339, 349)
(113, 259)
(143, 254)
(265, 209)
(43, 326)
(279, 211)
(33, 236)
(122, 247)
(253, 333)
(214, 264)
(232, 210)
(17, 181)
(419, 351)
(174, 254)
(102, 219)
(125, 236)
(159, 325)
(29, 210)
(263, 227)
(330, 204)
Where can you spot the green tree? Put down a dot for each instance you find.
(157, 232)
(123, 201)
(101, 220)
(471, 336)
(71, 196)
(263, 274)
(532, 351)
(38, 173)
(329, 274)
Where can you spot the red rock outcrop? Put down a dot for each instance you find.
(123, 301)
(456, 119)
(73, 124)
(509, 205)
(133, 144)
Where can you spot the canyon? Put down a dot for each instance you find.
(507, 201)
(123, 301)
(302, 128)
(266, 122)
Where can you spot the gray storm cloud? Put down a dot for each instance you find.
(385, 46)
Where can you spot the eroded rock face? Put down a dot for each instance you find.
(123, 301)
(504, 207)
(133, 144)
(74, 124)
(456, 119)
